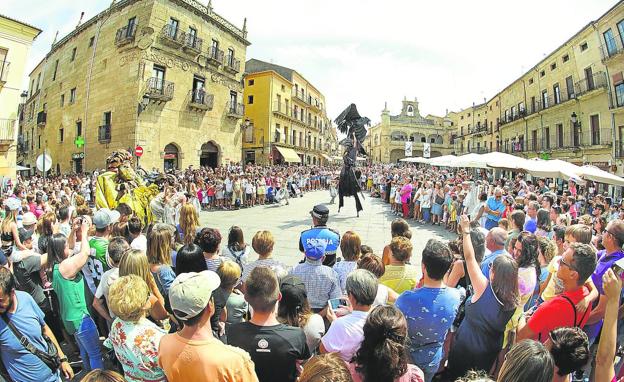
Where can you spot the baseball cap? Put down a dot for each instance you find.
(320, 211)
(531, 226)
(190, 293)
(24, 234)
(29, 219)
(105, 217)
(293, 292)
(315, 248)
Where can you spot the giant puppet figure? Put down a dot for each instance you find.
(354, 126)
(121, 184)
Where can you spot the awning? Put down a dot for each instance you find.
(327, 157)
(22, 168)
(289, 154)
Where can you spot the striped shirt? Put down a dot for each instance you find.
(321, 282)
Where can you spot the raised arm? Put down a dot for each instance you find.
(612, 285)
(478, 280)
(70, 267)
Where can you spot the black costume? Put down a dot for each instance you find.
(351, 123)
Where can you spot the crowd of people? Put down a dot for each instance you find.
(529, 290)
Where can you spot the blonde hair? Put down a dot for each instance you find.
(127, 298)
(263, 242)
(9, 218)
(159, 244)
(229, 272)
(401, 248)
(189, 221)
(325, 368)
(134, 262)
(99, 375)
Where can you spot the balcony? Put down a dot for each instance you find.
(316, 105)
(159, 90)
(199, 99)
(281, 109)
(589, 84)
(215, 56)
(42, 118)
(4, 73)
(7, 132)
(192, 43)
(612, 48)
(235, 110)
(598, 137)
(104, 134)
(170, 35)
(125, 35)
(478, 130)
(232, 64)
(299, 95)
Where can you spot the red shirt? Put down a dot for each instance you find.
(558, 312)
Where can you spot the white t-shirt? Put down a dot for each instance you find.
(382, 296)
(108, 278)
(345, 335)
(140, 243)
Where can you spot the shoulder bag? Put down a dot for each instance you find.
(50, 358)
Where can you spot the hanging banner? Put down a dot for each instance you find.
(408, 149)
(426, 150)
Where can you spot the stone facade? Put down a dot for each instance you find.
(284, 110)
(565, 107)
(16, 39)
(386, 140)
(161, 74)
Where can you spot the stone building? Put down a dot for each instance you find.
(569, 106)
(286, 117)
(16, 39)
(386, 140)
(161, 74)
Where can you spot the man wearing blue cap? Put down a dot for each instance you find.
(320, 280)
(320, 231)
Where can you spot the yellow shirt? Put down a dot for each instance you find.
(554, 286)
(204, 360)
(400, 277)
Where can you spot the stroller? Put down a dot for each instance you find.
(294, 190)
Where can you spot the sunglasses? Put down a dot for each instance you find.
(562, 262)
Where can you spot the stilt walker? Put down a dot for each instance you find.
(354, 126)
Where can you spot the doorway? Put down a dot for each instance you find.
(209, 155)
(171, 157)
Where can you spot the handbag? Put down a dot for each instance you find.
(50, 357)
(439, 200)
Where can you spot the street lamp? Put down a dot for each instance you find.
(24, 96)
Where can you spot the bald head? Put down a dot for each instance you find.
(615, 228)
(496, 239)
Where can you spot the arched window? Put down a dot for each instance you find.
(410, 110)
(398, 136)
(423, 139)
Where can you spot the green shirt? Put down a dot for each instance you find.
(96, 265)
(71, 296)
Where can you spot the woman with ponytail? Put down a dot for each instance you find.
(383, 355)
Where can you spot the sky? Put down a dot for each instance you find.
(447, 53)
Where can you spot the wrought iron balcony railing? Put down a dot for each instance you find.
(104, 134)
(199, 99)
(125, 35)
(159, 89)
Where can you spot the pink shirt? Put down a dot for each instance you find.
(406, 192)
(413, 374)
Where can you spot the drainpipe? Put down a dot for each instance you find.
(101, 22)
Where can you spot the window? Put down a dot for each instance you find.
(38, 81)
(547, 138)
(130, 27)
(557, 93)
(469, 114)
(566, 58)
(533, 105)
(620, 26)
(91, 41)
(544, 99)
(619, 94)
(214, 48)
(230, 57)
(251, 82)
(610, 42)
(73, 56)
(513, 112)
(78, 128)
(283, 88)
(233, 101)
(294, 137)
(277, 133)
(542, 73)
(62, 100)
(583, 46)
(173, 27)
(300, 139)
(55, 70)
(39, 141)
(61, 135)
(72, 96)
(198, 89)
(250, 100)
(570, 87)
(553, 66)
(106, 118)
(158, 73)
(192, 35)
(594, 122)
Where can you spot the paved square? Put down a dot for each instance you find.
(287, 221)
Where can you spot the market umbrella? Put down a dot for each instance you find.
(595, 174)
(443, 161)
(416, 160)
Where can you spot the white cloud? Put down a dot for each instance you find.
(448, 53)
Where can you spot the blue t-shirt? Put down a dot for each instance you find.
(488, 261)
(22, 365)
(604, 263)
(430, 313)
(495, 205)
(323, 233)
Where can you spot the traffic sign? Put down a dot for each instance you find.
(138, 151)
